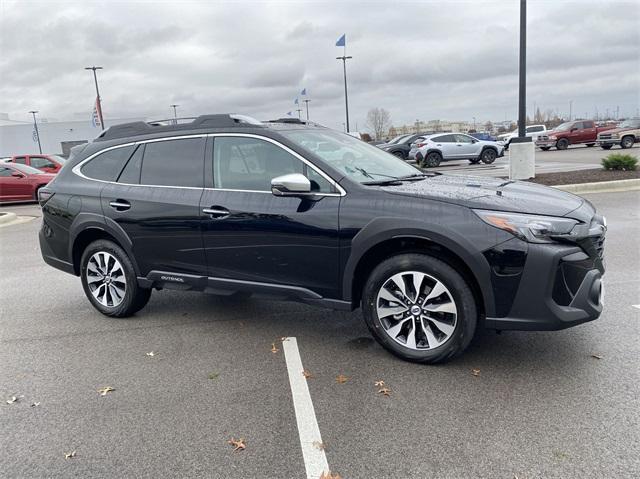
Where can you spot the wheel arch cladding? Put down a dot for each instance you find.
(377, 244)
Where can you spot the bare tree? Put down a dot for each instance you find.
(378, 122)
(488, 127)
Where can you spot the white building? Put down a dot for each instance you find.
(56, 137)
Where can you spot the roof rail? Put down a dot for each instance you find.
(138, 128)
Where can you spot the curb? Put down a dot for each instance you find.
(7, 218)
(602, 186)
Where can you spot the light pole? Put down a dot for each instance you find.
(344, 59)
(98, 100)
(474, 123)
(175, 113)
(570, 110)
(306, 104)
(522, 96)
(35, 125)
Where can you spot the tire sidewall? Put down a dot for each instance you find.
(465, 304)
(562, 144)
(432, 159)
(129, 272)
(490, 151)
(625, 139)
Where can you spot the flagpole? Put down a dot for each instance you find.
(35, 125)
(95, 79)
(306, 102)
(344, 59)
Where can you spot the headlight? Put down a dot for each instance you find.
(531, 228)
(615, 135)
(553, 137)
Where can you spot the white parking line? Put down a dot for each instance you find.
(636, 306)
(315, 460)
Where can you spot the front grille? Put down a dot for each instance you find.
(598, 244)
(605, 137)
(543, 137)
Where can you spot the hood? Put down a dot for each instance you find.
(491, 194)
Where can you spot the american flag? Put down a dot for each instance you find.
(95, 116)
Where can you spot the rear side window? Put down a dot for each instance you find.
(21, 159)
(106, 166)
(174, 163)
(40, 162)
(131, 172)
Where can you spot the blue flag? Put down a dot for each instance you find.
(288, 113)
(303, 92)
(342, 41)
(295, 101)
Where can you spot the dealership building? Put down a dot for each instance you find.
(56, 137)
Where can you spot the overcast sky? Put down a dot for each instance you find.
(419, 60)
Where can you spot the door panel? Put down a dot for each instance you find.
(272, 239)
(466, 147)
(12, 187)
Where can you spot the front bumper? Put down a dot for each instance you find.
(608, 141)
(559, 286)
(545, 143)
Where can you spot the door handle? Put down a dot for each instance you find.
(120, 205)
(216, 212)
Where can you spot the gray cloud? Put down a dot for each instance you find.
(426, 60)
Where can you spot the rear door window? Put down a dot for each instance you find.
(174, 163)
(107, 166)
(20, 159)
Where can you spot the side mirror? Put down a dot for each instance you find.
(17, 175)
(293, 184)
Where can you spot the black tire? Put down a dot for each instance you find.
(432, 160)
(627, 141)
(467, 313)
(562, 144)
(606, 147)
(545, 148)
(589, 145)
(474, 161)
(135, 297)
(399, 154)
(488, 156)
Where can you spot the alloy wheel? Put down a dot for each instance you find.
(416, 310)
(106, 279)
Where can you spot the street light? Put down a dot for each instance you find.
(98, 101)
(175, 113)
(306, 103)
(35, 125)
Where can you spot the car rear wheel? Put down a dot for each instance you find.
(606, 147)
(562, 144)
(109, 280)
(627, 141)
(432, 159)
(545, 148)
(419, 308)
(399, 154)
(488, 156)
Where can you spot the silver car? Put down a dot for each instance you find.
(433, 149)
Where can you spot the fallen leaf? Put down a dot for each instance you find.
(559, 455)
(70, 455)
(384, 391)
(13, 399)
(319, 445)
(150, 353)
(307, 374)
(35, 404)
(341, 379)
(597, 356)
(475, 372)
(284, 338)
(379, 383)
(214, 375)
(105, 390)
(238, 445)
(273, 348)
(330, 475)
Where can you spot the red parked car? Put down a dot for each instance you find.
(21, 182)
(46, 163)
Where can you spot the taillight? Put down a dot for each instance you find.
(44, 195)
(420, 145)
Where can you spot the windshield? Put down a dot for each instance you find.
(397, 139)
(630, 124)
(564, 126)
(359, 161)
(25, 169)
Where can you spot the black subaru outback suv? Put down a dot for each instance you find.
(233, 206)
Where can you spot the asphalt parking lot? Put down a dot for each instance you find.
(549, 404)
(577, 157)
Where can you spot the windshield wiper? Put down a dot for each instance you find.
(398, 180)
(365, 173)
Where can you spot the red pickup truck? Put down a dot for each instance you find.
(571, 133)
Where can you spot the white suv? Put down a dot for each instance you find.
(431, 150)
(532, 131)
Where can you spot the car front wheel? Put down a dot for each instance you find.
(489, 156)
(562, 144)
(605, 147)
(419, 308)
(109, 280)
(627, 142)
